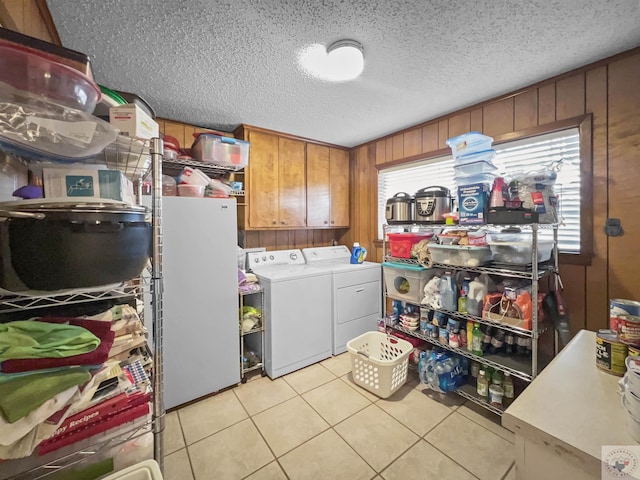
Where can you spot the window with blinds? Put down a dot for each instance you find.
(530, 154)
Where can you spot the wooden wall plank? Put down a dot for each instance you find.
(624, 172)
(268, 240)
(381, 152)
(15, 12)
(175, 129)
(430, 138)
(443, 133)
(525, 110)
(570, 96)
(477, 120)
(597, 279)
(547, 104)
(388, 150)
(412, 142)
(498, 117)
(459, 124)
(251, 239)
(574, 280)
(397, 146)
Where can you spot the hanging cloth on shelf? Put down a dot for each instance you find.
(33, 339)
(23, 395)
(100, 330)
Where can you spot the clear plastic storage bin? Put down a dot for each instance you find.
(460, 255)
(519, 252)
(225, 151)
(406, 282)
(468, 143)
(485, 156)
(475, 168)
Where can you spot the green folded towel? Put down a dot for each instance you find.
(33, 339)
(21, 396)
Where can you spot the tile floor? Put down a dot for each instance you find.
(317, 424)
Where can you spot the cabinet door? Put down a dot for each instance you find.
(263, 180)
(318, 186)
(291, 183)
(339, 182)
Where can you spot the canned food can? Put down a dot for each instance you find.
(629, 329)
(611, 353)
(619, 306)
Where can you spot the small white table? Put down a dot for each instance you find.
(566, 415)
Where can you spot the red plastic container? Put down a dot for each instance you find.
(400, 243)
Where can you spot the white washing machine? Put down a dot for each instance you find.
(356, 293)
(297, 310)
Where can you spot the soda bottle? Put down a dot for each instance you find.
(509, 343)
(507, 385)
(486, 339)
(476, 340)
(483, 384)
(497, 341)
(496, 378)
(470, 327)
(462, 303)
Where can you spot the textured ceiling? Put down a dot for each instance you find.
(221, 63)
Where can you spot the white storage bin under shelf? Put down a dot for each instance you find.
(406, 282)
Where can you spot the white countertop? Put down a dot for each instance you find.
(572, 405)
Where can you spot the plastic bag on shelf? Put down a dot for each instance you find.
(33, 127)
(536, 190)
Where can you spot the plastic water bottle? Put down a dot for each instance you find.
(475, 298)
(448, 292)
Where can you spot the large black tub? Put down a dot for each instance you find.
(54, 246)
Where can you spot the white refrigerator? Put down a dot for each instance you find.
(200, 304)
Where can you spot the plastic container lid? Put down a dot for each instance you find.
(24, 70)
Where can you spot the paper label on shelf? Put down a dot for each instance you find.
(80, 131)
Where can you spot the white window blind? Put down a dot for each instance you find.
(517, 156)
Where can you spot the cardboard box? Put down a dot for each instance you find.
(132, 121)
(84, 184)
(473, 201)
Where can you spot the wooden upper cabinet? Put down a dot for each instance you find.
(291, 183)
(327, 186)
(318, 186)
(339, 186)
(263, 181)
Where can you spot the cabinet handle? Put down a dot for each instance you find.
(283, 222)
(274, 222)
(360, 290)
(325, 222)
(332, 222)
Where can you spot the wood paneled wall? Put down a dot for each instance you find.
(30, 17)
(272, 240)
(608, 90)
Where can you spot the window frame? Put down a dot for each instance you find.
(584, 124)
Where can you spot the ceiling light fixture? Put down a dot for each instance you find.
(346, 59)
(340, 62)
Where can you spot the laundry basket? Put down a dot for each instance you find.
(379, 362)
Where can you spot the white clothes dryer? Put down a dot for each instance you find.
(356, 303)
